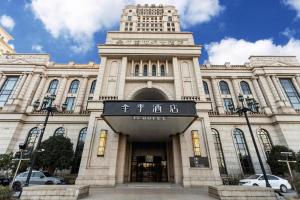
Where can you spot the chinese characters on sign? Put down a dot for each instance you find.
(156, 108)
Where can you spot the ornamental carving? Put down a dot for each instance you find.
(23, 59)
(273, 61)
(137, 42)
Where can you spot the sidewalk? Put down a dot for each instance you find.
(144, 193)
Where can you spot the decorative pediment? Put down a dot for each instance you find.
(274, 61)
(24, 59)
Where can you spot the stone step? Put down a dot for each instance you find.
(148, 185)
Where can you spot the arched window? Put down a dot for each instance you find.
(136, 70)
(265, 140)
(243, 152)
(219, 151)
(32, 138)
(79, 150)
(93, 86)
(60, 131)
(145, 71)
(245, 88)
(153, 70)
(52, 86)
(205, 86)
(74, 87)
(224, 87)
(162, 70)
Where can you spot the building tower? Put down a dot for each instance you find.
(150, 18)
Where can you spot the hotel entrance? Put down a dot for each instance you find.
(149, 162)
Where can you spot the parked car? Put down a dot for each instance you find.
(37, 178)
(4, 181)
(275, 182)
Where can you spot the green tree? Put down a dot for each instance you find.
(278, 168)
(6, 163)
(58, 153)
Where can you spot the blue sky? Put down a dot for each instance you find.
(69, 30)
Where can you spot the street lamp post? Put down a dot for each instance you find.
(250, 105)
(47, 106)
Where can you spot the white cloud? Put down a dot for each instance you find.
(79, 20)
(294, 4)
(38, 48)
(238, 51)
(7, 22)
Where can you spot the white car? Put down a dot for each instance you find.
(275, 182)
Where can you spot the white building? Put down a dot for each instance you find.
(149, 112)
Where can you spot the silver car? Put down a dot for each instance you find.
(37, 178)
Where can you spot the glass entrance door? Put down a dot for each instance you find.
(149, 168)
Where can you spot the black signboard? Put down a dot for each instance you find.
(198, 161)
(149, 108)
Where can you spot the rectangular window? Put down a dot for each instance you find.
(102, 142)
(70, 103)
(227, 103)
(196, 143)
(7, 89)
(169, 18)
(129, 18)
(291, 92)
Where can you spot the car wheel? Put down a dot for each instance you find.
(17, 186)
(49, 183)
(255, 184)
(283, 188)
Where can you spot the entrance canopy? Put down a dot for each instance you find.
(149, 120)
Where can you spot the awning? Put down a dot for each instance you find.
(149, 120)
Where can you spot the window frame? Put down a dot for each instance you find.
(205, 87)
(68, 107)
(294, 94)
(245, 87)
(263, 132)
(220, 152)
(93, 87)
(53, 85)
(245, 169)
(74, 86)
(7, 90)
(224, 88)
(59, 131)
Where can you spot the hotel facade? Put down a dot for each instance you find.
(149, 112)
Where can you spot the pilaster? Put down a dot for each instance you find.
(81, 94)
(61, 90)
(198, 79)
(260, 96)
(100, 78)
(177, 79)
(267, 94)
(38, 93)
(122, 77)
(216, 95)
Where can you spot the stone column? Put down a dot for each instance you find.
(198, 79)
(297, 78)
(25, 86)
(236, 89)
(158, 69)
(149, 68)
(81, 94)
(217, 95)
(132, 68)
(38, 93)
(39, 90)
(167, 67)
(274, 92)
(267, 93)
(34, 82)
(19, 86)
(2, 80)
(141, 68)
(280, 91)
(177, 79)
(1, 74)
(297, 87)
(260, 96)
(122, 78)
(61, 90)
(100, 79)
